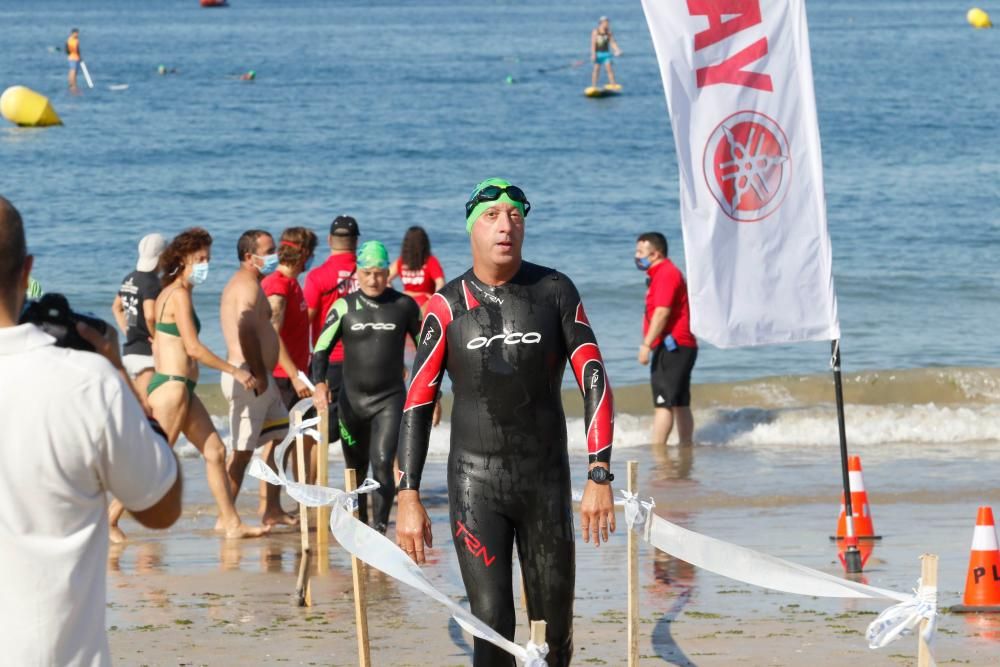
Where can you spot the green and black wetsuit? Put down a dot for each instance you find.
(370, 404)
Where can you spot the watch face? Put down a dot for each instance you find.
(599, 474)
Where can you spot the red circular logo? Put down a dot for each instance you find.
(748, 166)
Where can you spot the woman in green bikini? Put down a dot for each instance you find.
(177, 351)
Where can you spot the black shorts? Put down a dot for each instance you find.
(334, 378)
(670, 376)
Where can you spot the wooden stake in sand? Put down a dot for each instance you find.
(323, 479)
(537, 633)
(303, 592)
(633, 576)
(928, 577)
(358, 572)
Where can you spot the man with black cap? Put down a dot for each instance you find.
(335, 278)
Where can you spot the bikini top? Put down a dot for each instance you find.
(170, 328)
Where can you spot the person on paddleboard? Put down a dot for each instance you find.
(73, 56)
(602, 45)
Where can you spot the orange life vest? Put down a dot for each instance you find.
(73, 48)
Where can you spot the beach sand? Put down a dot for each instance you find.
(187, 597)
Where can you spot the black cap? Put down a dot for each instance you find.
(344, 225)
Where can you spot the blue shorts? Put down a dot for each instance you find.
(74, 65)
(603, 57)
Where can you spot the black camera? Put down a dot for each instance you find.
(53, 315)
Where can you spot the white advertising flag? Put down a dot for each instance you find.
(738, 80)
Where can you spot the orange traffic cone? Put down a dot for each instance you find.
(982, 585)
(863, 528)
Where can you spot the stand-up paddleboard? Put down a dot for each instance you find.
(607, 91)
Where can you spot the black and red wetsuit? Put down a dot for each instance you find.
(505, 349)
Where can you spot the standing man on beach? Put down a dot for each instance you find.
(504, 330)
(256, 418)
(289, 313)
(73, 56)
(134, 309)
(72, 432)
(667, 340)
(334, 279)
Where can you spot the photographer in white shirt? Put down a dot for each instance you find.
(71, 430)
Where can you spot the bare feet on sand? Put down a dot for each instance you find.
(240, 530)
(279, 518)
(116, 535)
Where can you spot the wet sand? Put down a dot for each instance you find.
(188, 597)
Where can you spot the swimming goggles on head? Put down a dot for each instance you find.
(493, 193)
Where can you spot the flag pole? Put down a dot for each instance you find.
(852, 557)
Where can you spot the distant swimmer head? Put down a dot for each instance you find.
(373, 255)
(162, 69)
(488, 194)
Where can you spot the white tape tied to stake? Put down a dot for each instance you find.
(759, 569)
(378, 551)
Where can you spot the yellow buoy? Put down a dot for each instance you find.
(23, 106)
(977, 18)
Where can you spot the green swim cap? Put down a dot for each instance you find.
(481, 207)
(373, 255)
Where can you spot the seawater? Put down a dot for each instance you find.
(391, 111)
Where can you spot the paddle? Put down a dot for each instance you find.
(86, 74)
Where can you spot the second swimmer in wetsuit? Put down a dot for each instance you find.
(373, 324)
(504, 331)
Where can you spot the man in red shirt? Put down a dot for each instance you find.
(335, 278)
(666, 340)
(289, 313)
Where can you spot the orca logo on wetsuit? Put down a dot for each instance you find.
(508, 339)
(378, 326)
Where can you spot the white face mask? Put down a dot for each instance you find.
(199, 273)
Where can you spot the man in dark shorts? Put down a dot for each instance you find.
(333, 279)
(667, 340)
(133, 309)
(372, 324)
(504, 331)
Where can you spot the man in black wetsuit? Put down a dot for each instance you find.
(373, 324)
(504, 331)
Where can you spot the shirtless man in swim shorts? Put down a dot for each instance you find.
(256, 418)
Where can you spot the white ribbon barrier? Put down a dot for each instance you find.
(759, 569)
(378, 551)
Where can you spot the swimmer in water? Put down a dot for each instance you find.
(602, 45)
(373, 324)
(504, 331)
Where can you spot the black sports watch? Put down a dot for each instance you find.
(600, 475)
